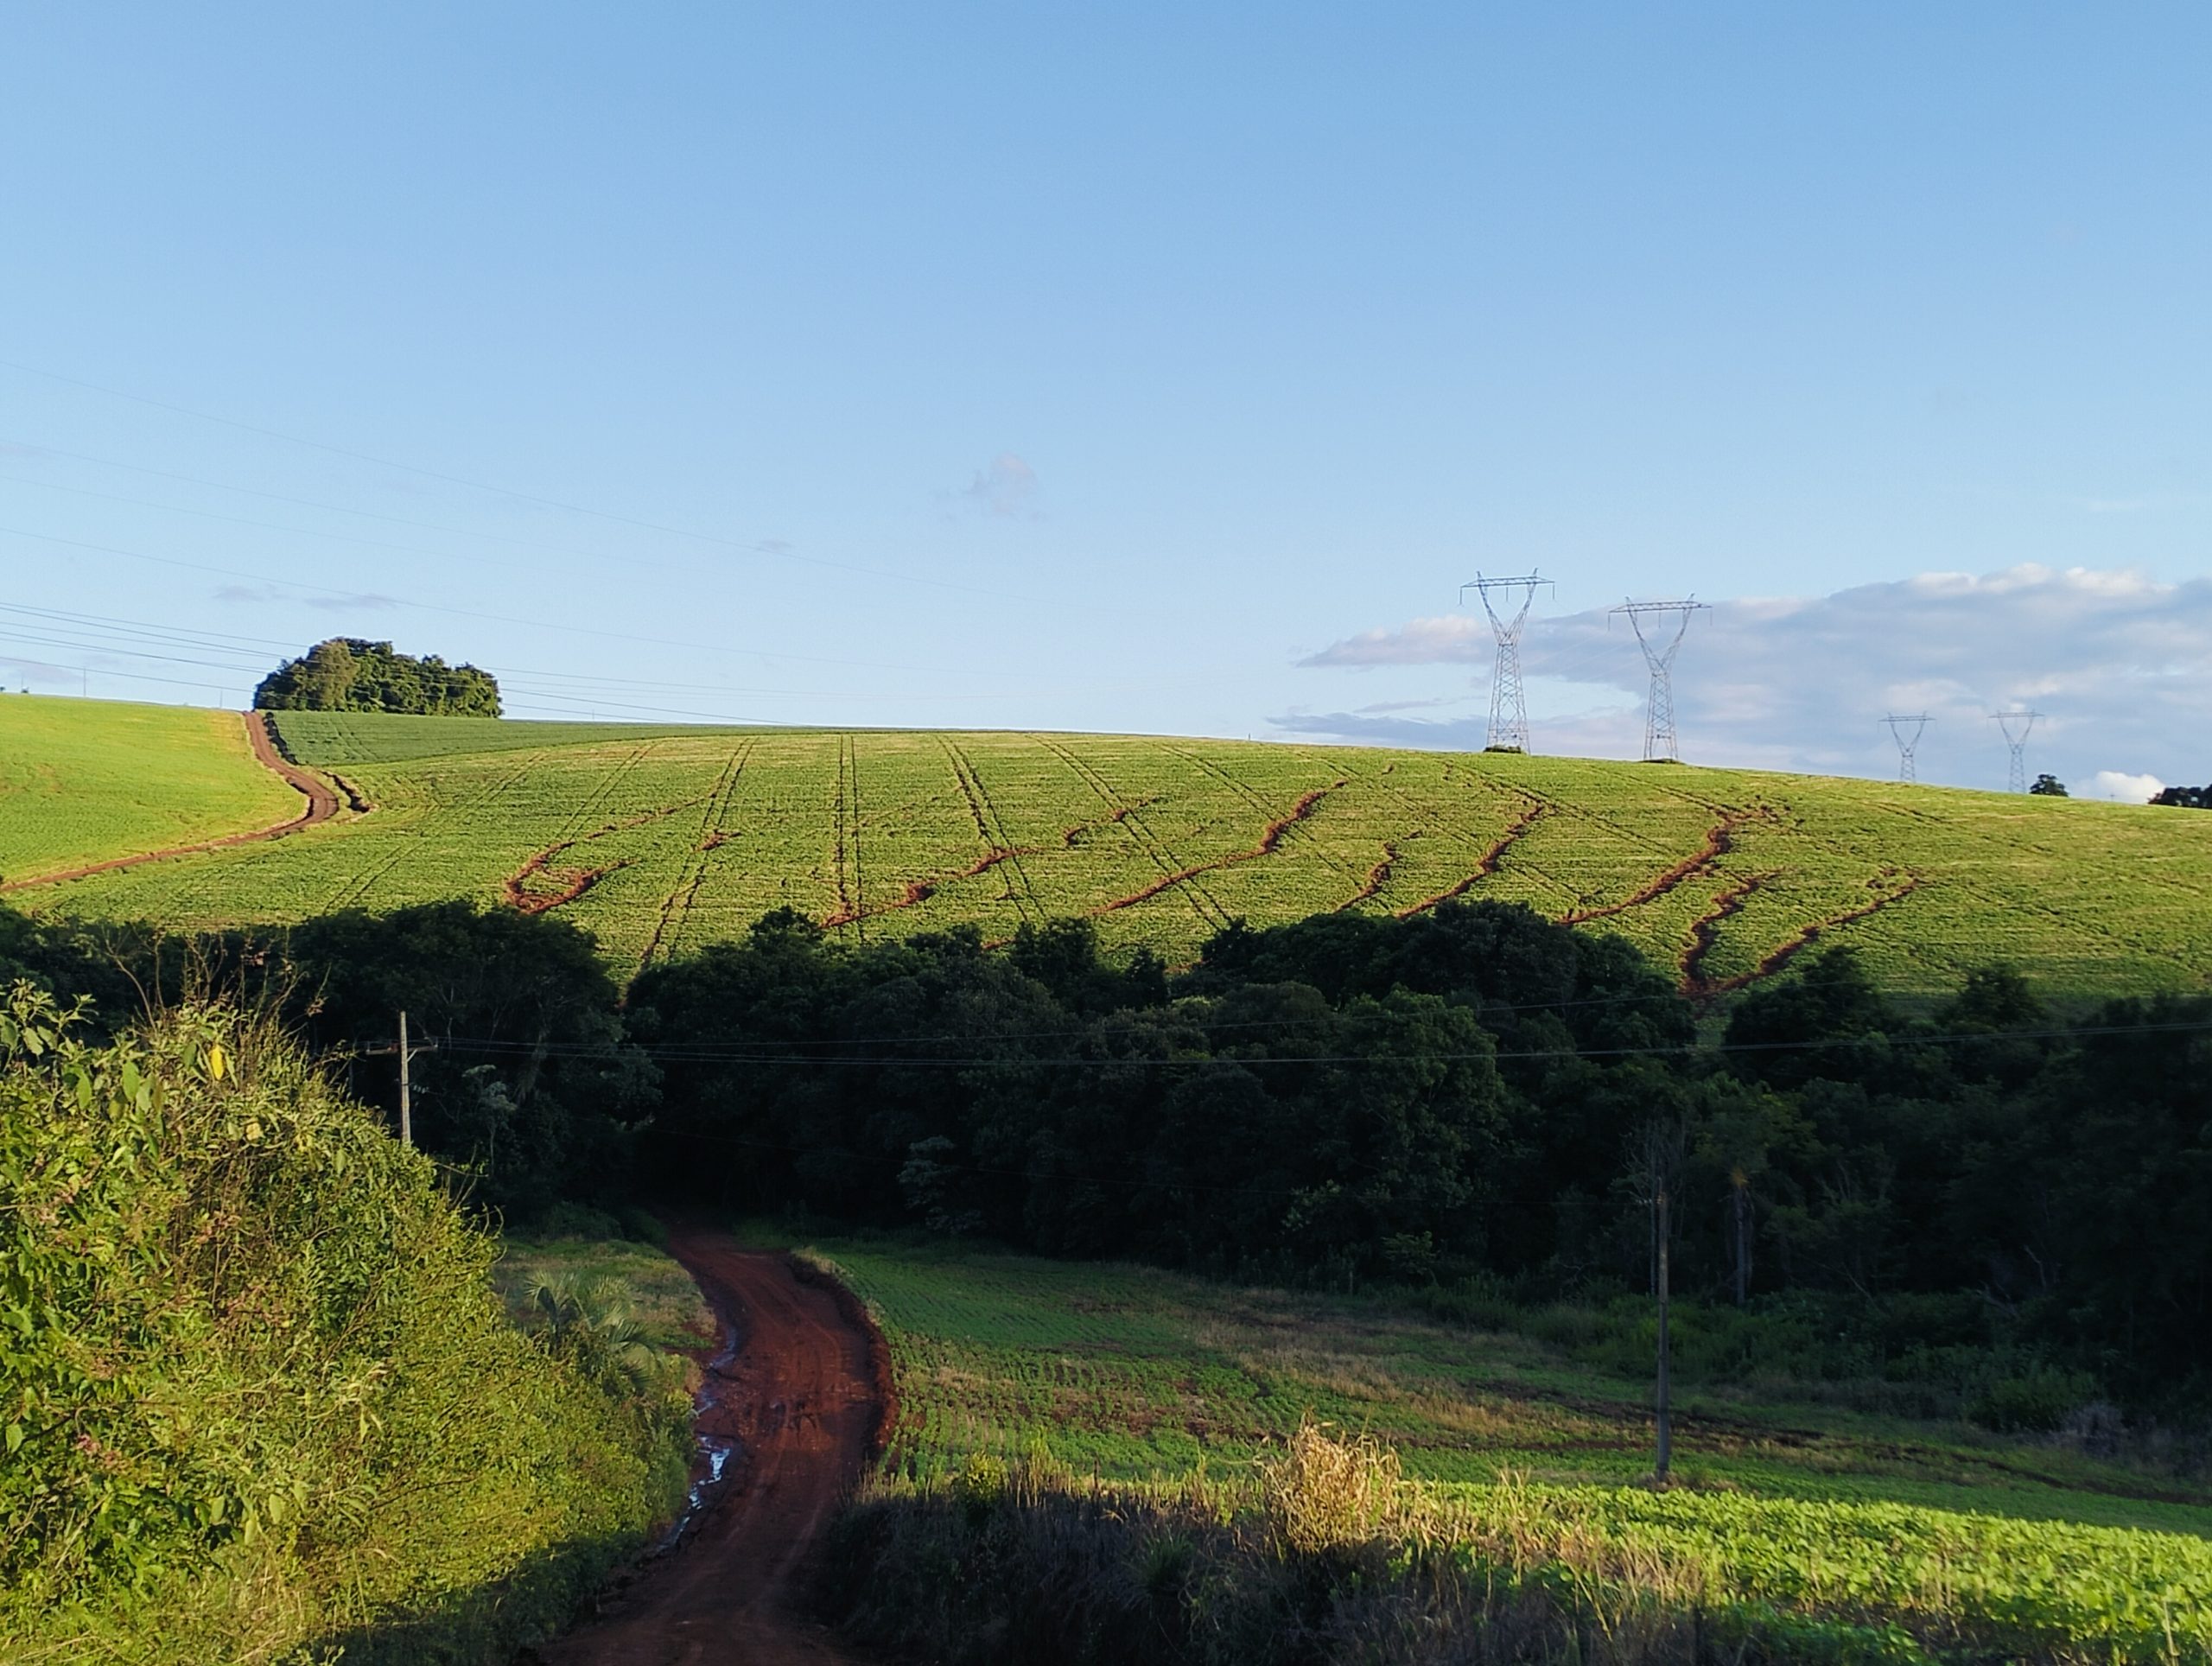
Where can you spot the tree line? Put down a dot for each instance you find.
(1474, 1094)
(350, 673)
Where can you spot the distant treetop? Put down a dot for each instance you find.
(348, 674)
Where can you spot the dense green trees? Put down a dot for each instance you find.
(349, 673)
(1473, 1093)
(1474, 1090)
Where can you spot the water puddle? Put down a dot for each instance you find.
(715, 1451)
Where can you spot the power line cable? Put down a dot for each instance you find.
(755, 548)
(1095, 1060)
(469, 612)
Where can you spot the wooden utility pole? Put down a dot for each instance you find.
(1666, 1410)
(1742, 1183)
(406, 1055)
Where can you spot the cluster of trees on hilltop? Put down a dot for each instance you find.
(349, 673)
(1474, 1092)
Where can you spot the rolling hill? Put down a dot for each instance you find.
(658, 840)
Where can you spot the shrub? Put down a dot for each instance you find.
(259, 1398)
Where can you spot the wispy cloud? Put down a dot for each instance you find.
(1005, 486)
(2121, 662)
(254, 594)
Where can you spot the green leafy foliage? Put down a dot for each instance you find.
(349, 673)
(257, 1394)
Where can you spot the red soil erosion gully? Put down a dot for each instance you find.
(797, 1399)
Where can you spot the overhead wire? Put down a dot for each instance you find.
(1396, 1056)
(756, 547)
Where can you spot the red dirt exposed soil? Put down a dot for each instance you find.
(1485, 866)
(574, 882)
(323, 804)
(1789, 948)
(1379, 875)
(805, 1397)
(1719, 841)
(1269, 838)
(1706, 932)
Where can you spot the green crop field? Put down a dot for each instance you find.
(659, 840)
(85, 781)
(1144, 1378)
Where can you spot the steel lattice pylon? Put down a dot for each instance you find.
(2018, 725)
(1659, 651)
(1908, 745)
(1509, 703)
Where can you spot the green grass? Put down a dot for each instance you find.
(1140, 1374)
(1136, 1384)
(654, 1291)
(660, 840)
(85, 780)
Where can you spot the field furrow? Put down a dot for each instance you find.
(661, 840)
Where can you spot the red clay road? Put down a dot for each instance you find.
(795, 1394)
(323, 804)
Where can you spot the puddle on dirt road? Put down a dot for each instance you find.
(712, 1463)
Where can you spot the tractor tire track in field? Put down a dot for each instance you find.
(675, 907)
(851, 893)
(1379, 875)
(1706, 932)
(1257, 801)
(1270, 838)
(990, 827)
(574, 882)
(351, 892)
(261, 736)
(1209, 912)
(800, 1397)
(1719, 842)
(1486, 865)
(918, 892)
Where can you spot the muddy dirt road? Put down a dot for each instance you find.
(795, 1398)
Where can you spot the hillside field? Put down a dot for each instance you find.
(659, 840)
(83, 781)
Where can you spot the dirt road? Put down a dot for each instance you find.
(793, 1393)
(321, 806)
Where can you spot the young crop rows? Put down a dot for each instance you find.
(1143, 1379)
(658, 841)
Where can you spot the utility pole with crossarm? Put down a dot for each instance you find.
(406, 1056)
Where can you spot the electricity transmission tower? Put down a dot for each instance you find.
(1508, 707)
(2016, 726)
(1659, 651)
(1908, 744)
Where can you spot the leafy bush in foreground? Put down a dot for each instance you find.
(257, 1396)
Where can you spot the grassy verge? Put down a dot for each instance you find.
(1107, 1435)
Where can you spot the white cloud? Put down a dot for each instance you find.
(1005, 486)
(2118, 661)
(2129, 789)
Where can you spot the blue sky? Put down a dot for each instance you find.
(1107, 368)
